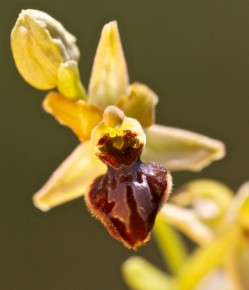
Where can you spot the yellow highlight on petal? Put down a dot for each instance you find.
(109, 79)
(80, 116)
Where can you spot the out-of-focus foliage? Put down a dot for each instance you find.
(216, 219)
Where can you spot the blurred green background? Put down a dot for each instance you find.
(194, 54)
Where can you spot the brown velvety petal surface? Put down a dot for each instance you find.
(126, 200)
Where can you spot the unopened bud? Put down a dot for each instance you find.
(40, 44)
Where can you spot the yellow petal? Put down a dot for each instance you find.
(139, 104)
(71, 179)
(179, 149)
(109, 79)
(80, 116)
(39, 44)
(69, 83)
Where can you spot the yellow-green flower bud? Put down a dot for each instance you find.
(40, 44)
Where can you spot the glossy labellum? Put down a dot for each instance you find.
(127, 198)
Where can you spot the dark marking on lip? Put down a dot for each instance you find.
(119, 151)
(128, 206)
(128, 197)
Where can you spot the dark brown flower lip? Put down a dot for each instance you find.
(126, 200)
(128, 197)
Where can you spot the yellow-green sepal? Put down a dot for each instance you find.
(109, 79)
(179, 149)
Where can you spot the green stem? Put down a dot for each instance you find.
(171, 245)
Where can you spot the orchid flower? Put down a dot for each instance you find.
(112, 112)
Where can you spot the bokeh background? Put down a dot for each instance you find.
(194, 54)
